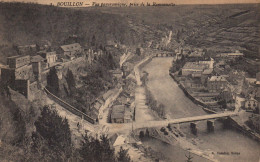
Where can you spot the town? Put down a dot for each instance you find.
(162, 97)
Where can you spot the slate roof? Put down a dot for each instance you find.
(193, 66)
(207, 71)
(118, 112)
(217, 78)
(37, 58)
(108, 94)
(71, 47)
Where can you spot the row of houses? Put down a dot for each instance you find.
(122, 110)
(215, 76)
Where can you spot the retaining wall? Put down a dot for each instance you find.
(70, 108)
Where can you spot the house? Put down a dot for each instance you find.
(71, 50)
(251, 104)
(216, 83)
(19, 75)
(59, 69)
(50, 57)
(117, 114)
(240, 101)
(127, 68)
(120, 114)
(226, 95)
(233, 55)
(1, 67)
(258, 98)
(193, 83)
(251, 81)
(107, 95)
(197, 54)
(18, 68)
(27, 49)
(38, 65)
(18, 61)
(117, 73)
(192, 67)
(205, 75)
(96, 106)
(258, 79)
(209, 63)
(124, 98)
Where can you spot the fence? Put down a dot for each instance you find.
(69, 107)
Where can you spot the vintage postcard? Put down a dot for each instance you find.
(129, 80)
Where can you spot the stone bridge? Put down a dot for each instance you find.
(192, 120)
(164, 55)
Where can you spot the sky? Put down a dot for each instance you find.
(139, 1)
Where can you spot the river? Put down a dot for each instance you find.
(235, 145)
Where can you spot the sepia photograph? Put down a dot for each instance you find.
(129, 81)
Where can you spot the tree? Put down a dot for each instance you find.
(93, 41)
(53, 81)
(108, 152)
(161, 110)
(70, 79)
(189, 158)
(111, 61)
(123, 156)
(141, 134)
(138, 51)
(52, 133)
(96, 150)
(147, 134)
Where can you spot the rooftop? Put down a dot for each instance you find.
(71, 47)
(258, 92)
(118, 111)
(258, 76)
(36, 58)
(207, 71)
(17, 56)
(251, 80)
(196, 54)
(97, 105)
(217, 78)
(47, 53)
(108, 94)
(116, 71)
(193, 66)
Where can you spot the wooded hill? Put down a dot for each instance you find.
(23, 24)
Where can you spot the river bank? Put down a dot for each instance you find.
(233, 122)
(204, 106)
(179, 105)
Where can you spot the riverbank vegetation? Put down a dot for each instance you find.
(150, 100)
(254, 123)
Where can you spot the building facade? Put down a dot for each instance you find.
(216, 83)
(251, 104)
(18, 61)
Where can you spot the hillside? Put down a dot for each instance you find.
(214, 27)
(217, 28)
(23, 24)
